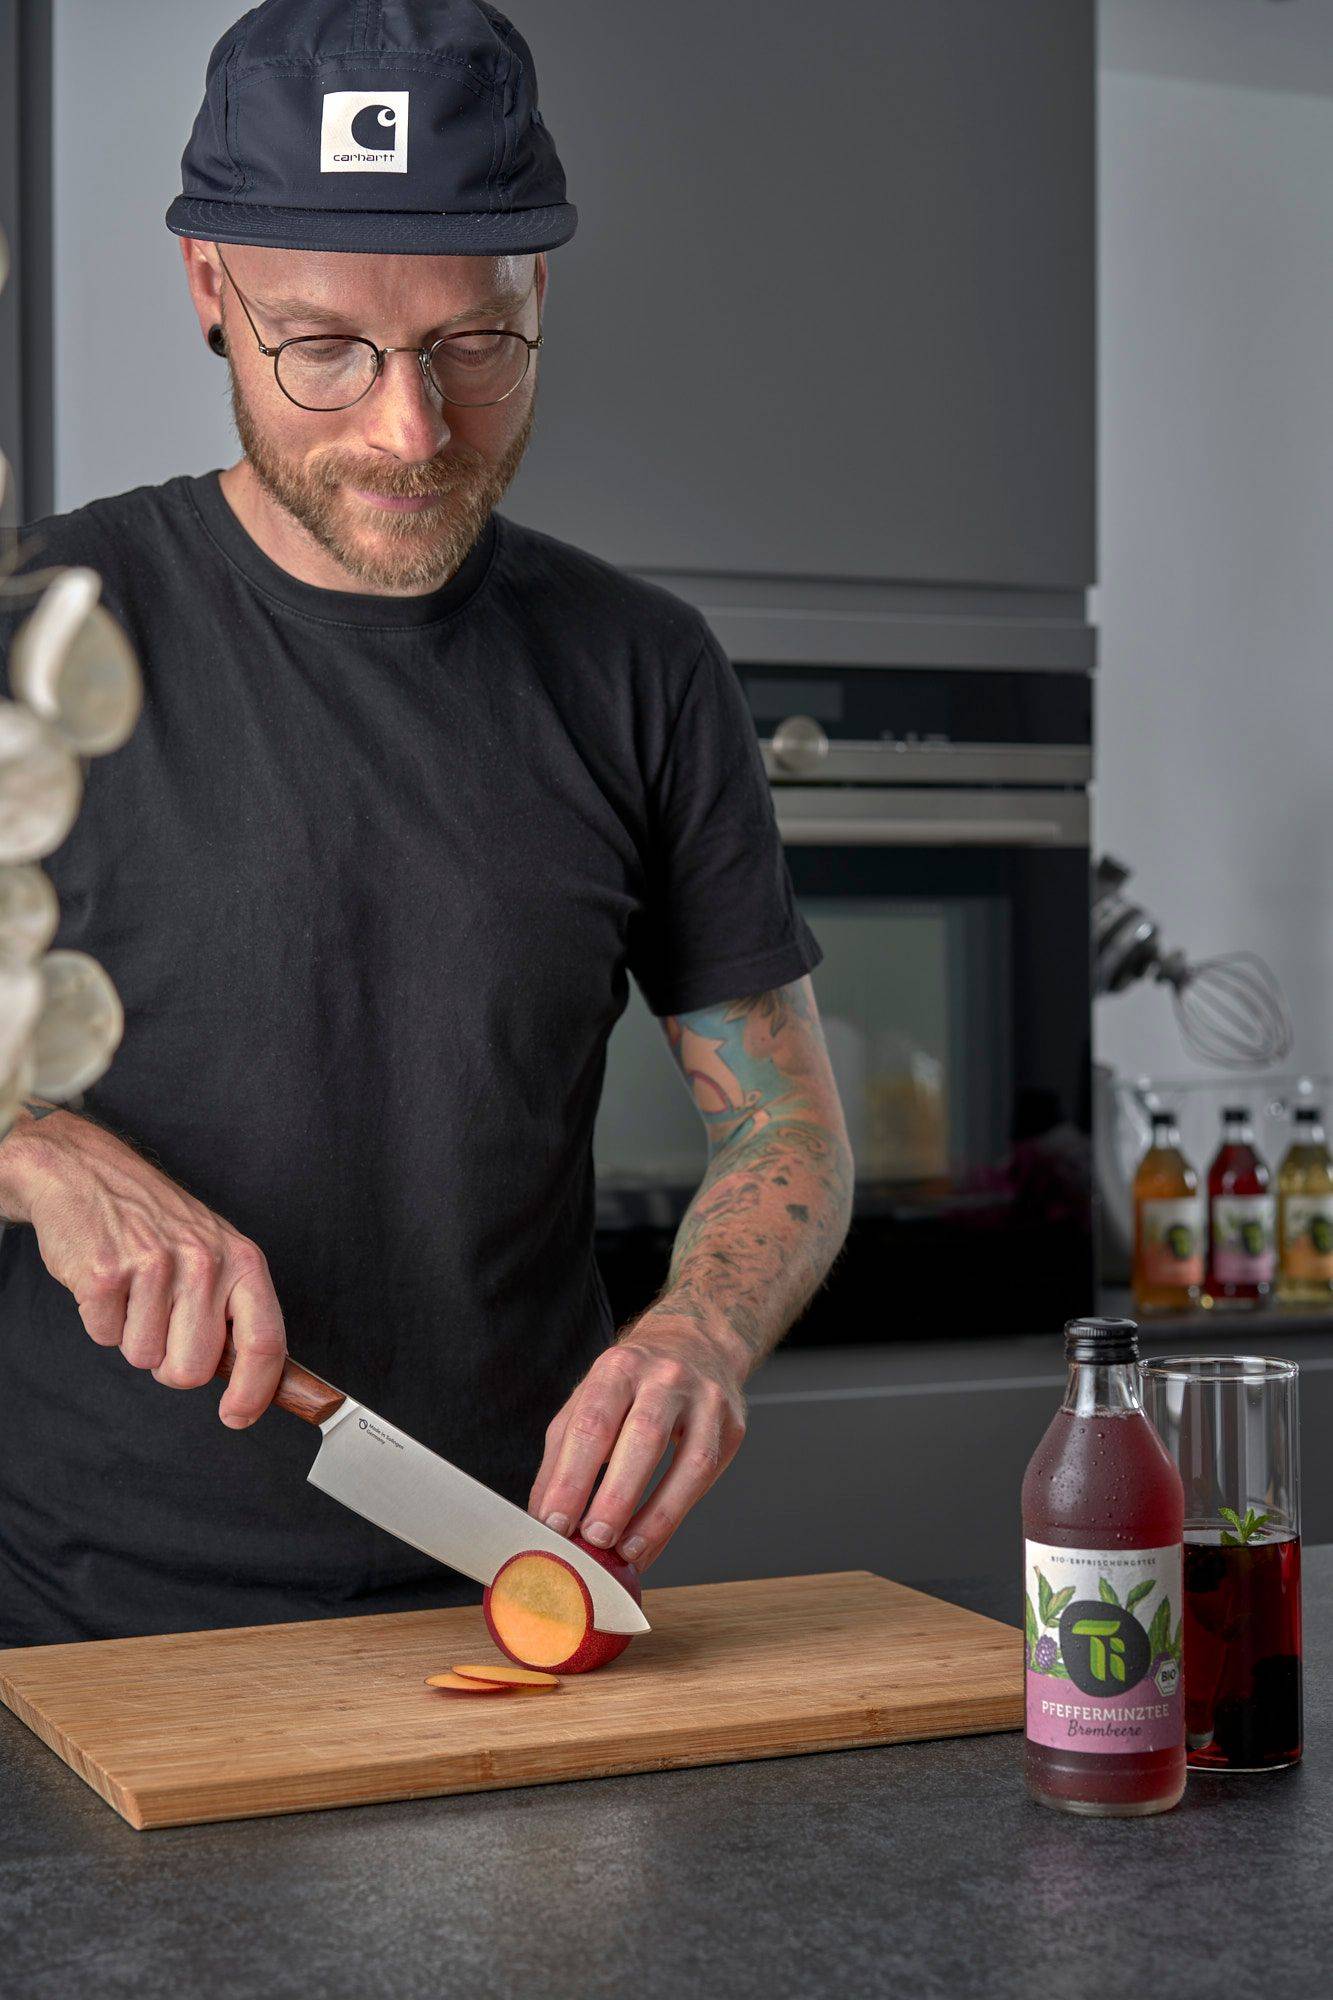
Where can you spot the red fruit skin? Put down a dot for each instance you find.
(595, 1649)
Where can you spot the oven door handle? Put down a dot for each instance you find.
(888, 832)
(911, 816)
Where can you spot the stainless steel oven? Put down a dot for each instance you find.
(936, 827)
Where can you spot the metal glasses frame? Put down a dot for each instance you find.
(424, 357)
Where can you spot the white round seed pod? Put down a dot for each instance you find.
(41, 785)
(14, 1087)
(73, 665)
(81, 1024)
(29, 914)
(22, 998)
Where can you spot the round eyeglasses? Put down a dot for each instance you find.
(318, 371)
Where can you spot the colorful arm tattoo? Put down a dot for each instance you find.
(772, 1210)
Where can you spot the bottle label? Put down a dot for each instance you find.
(1103, 1631)
(1243, 1246)
(1172, 1241)
(1308, 1236)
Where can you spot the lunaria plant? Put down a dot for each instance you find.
(74, 692)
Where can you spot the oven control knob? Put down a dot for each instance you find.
(799, 744)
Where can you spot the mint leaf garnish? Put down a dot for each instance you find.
(1246, 1530)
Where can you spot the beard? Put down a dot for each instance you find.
(406, 553)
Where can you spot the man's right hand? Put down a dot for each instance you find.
(154, 1272)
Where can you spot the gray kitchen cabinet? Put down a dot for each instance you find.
(829, 311)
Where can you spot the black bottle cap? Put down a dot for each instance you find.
(1309, 1114)
(1230, 1111)
(1163, 1118)
(1101, 1340)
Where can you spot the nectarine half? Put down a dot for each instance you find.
(539, 1611)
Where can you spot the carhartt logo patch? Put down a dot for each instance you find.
(364, 132)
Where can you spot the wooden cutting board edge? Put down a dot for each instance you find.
(857, 1725)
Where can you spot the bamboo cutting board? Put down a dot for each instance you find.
(182, 1728)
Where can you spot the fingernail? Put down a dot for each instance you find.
(558, 1523)
(598, 1533)
(233, 1422)
(633, 1548)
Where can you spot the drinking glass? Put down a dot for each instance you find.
(1230, 1423)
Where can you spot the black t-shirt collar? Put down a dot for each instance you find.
(340, 607)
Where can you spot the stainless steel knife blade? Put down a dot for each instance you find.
(389, 1478)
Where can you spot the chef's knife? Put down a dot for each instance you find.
(386, 1476)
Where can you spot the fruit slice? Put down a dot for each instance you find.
(539, 1611)
(509, 1676)
(457, 1685)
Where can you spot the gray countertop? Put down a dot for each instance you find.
(917, 1871)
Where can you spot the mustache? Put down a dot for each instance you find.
(452, 471)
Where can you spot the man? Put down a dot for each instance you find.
(414, 793)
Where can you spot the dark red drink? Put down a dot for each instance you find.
(1103, 1511)
(1242, 1218)
(1242, 1652)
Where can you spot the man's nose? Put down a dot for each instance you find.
(403, 414)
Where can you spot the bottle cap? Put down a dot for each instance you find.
(1101, 1340)
(1163, 1118)
(1230, 1111)
(1308, 1114)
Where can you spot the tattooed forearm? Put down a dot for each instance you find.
(772, 1209)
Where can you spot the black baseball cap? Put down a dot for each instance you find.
(380, 125)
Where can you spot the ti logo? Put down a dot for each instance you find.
(1104, 1647)
(361, 1423)
(364, 132)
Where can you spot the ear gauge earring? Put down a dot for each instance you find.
(217, 339)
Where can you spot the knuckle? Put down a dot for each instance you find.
(672, 1375)
(617, 1365)
(591, 1422)
(153, 1265)
(247, 1259)
(199, 1261)
(703, 1460)
(647, 1420)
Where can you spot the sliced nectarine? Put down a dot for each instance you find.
(540, 1614)
(456, 1684)
(524, 1677)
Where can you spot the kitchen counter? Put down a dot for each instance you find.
(914, 1871)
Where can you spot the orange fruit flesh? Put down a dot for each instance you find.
(525, 1677)
(539, 1606)
(456, 1684)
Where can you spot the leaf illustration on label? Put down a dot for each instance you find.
(1058, 1603)
(1108, 1595)
(1159, 1632)
(1175, 1642)
(1044, 1598)
(1029, 1625)
(1140, 1591)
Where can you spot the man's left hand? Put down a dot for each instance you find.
(665, 1381)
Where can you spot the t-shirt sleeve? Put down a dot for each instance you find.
(719, 920)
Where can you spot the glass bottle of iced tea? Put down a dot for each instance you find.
(1242, 1219)
(1103, 1520)
(1168, 1225)
(1305, 1214)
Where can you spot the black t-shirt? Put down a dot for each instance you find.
(370, 877)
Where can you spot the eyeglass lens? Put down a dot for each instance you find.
(468, 368)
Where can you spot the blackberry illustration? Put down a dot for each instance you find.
(1045, 1654)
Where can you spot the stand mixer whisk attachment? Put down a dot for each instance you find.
(1230, 1010)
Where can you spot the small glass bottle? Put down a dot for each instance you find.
(1305, 1215)
(1103, 1527)
(1242, 1217)
(1168, 1225)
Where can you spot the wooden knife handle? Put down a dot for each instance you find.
(299, 1392)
